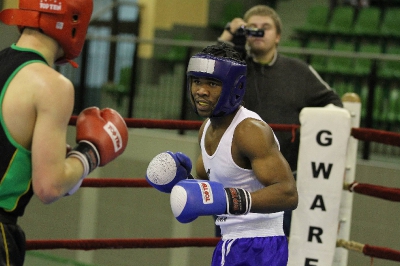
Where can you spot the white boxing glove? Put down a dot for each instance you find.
(167, 169)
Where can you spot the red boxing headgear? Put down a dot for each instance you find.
(66, 21)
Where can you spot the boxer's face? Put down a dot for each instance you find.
(205, 93)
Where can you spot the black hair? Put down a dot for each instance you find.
(225, 51)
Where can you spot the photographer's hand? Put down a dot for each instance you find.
(231, 28)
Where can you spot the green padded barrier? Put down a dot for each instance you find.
(390, 69)
(363, 98)
(362, 66)
(341, 65)
(379, 111)
(318, 62)
(292, 43)
(368, 22)
(342, 87)
(393, 114)
(232, 9)
(316, 21)
(342, 21)
(390, 24)
(121, 89)
(177, 53)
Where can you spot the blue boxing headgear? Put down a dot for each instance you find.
(232, 74)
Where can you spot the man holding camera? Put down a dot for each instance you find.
(278, 87)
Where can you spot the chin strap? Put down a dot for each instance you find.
(73, 64)
(69, 61)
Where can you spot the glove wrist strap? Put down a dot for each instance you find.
(238, 201)
(87, 153)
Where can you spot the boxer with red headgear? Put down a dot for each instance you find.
(36, 103)
(66, 21)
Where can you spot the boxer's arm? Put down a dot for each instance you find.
(53, 100)
(53, 175)
(102, 136)
(200, 170)
(269, 166)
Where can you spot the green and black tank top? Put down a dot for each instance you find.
(15, 161)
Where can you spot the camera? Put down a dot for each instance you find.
(249, 32)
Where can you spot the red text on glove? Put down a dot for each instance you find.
(206, 193)
(114, 134)
(235, 199)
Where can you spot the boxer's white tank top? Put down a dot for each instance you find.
(221, 168)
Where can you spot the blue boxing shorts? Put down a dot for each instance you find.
(252, 239)
(271, 251)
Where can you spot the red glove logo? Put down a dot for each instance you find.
(206, 193)
(115, 136)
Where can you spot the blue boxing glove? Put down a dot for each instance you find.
(193, 198)
(167, 169)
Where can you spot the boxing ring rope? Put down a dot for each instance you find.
(380, 136)
(115, 182)
(368, 250)
(387, 193)
(392, 194)
(93, 244)
(364, 134)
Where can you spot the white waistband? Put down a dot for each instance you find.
(250, 225)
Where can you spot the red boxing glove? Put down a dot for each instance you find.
(102, 135)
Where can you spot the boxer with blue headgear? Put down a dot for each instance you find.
(226, 66)
(241, 176)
